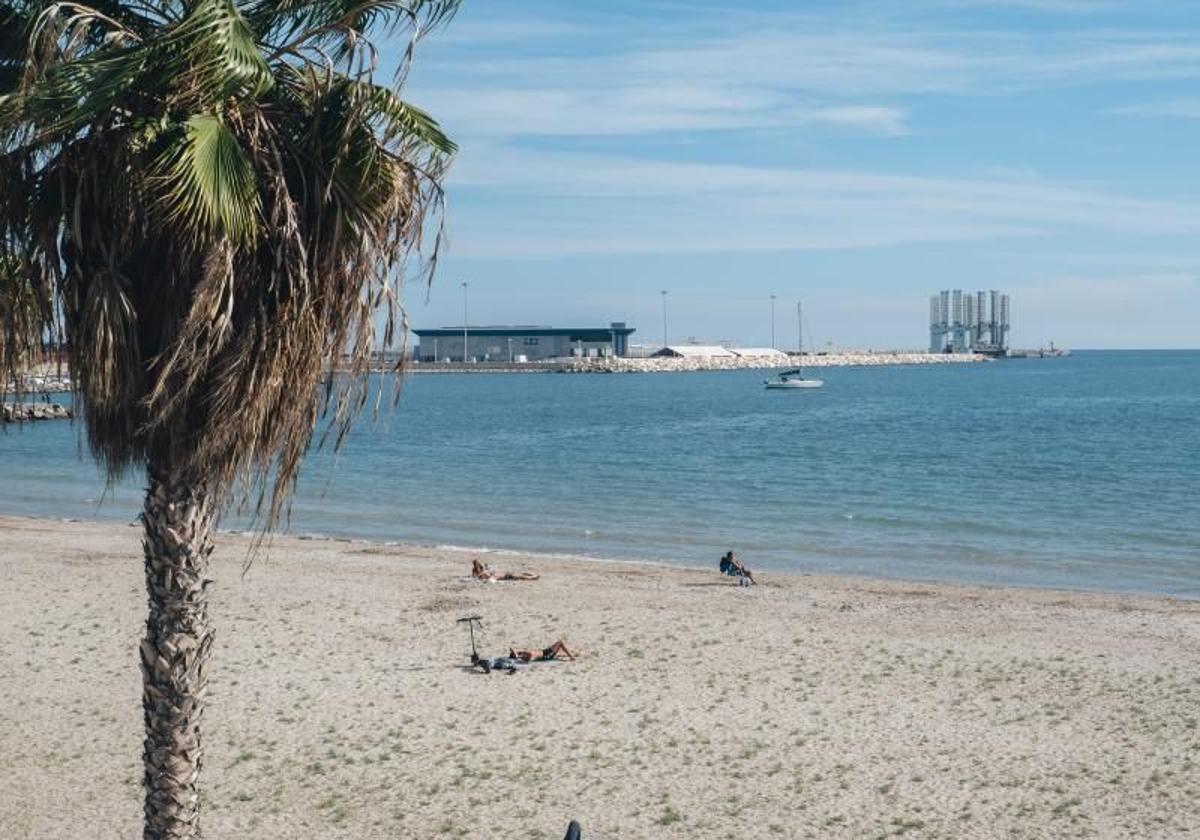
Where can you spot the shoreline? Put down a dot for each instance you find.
(806, 706)
(844, 578)
(466, 552)
(401, 550)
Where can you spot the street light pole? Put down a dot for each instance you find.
(799, 331)
(664, 302)
(772, 322)
(464, 285)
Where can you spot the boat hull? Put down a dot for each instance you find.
(793, 384)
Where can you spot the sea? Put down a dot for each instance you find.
(1080, 472)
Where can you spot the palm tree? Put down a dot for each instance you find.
(213, 200)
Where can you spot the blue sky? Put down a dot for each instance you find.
(859, 155)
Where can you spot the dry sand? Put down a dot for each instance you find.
(805, 707)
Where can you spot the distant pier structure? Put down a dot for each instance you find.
(962, 322)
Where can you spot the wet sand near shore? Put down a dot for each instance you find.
(805, 707)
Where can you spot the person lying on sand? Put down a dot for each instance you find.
(733, 567)
(543, 655)
(515, 658)
(482, 571)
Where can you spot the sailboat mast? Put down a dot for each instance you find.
(799, 338)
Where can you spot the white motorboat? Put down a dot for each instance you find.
(794, 378)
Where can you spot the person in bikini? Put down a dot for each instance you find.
(482, 571)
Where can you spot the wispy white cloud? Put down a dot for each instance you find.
(1160, 262)
(1074, 7)
(562, 203)
(619, 80)
(870, 118)
(824, 56)
(654, 76)
(646, 109)
(505, 31)
(1181, 108)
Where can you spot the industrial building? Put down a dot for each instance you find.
(521, 343)
(962, 322)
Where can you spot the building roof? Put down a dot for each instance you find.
(585, 333)
(758, 352)
(696, 351)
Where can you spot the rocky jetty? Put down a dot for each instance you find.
(672, 365)
(44, 383)
(692, 363)
(20, 412)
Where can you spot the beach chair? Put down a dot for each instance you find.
(728, 568)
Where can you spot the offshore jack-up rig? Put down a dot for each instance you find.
(969, 323)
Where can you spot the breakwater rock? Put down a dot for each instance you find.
(20, 412)
(692, 363)
(672, 365)
(42, 383)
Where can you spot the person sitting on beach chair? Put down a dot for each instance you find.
(731, 566)
(481, 571)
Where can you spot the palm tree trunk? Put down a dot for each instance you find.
(178, 519)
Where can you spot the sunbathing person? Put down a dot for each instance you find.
(733, 567)
(516, 658)
(482, 571)
(555, 650)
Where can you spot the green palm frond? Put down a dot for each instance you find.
(402, 121)
(217, 45)
(208, 183)
(76, 93)
(363, 177)
(211, 50)
(71, 27)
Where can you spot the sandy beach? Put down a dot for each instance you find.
(805, 707)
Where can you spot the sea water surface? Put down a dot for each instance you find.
(1080, 472)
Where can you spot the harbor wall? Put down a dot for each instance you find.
(678, 365)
